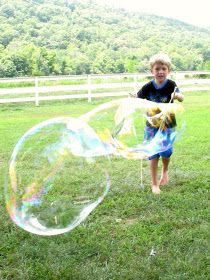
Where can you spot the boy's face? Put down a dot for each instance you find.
(160, 72)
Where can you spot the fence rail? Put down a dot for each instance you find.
(92, 85)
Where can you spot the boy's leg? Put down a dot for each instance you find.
(154, 171)
(166, 156)
(164, 175)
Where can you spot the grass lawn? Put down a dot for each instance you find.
(115, 241)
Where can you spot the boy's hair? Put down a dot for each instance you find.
(161, 58)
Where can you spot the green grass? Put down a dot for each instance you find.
(115, 241)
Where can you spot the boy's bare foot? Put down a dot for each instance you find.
(155, 189)
(164, 179)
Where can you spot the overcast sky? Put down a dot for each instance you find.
(196, 12)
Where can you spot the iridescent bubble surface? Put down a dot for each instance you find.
(121, 123)
(58, 173)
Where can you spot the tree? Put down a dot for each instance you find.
(7, 35)
(7, 11)
(7, 68)
(131, 64)
(21, 64)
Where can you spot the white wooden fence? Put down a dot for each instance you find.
(91, 85)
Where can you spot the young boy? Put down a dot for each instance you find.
(160, 90)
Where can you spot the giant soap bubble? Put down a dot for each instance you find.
(120, 123)
(58, 173)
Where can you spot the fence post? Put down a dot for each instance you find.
(89, 87)
(36, 92)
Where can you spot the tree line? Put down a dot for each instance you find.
(50, 37)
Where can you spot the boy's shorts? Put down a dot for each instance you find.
(149, 134)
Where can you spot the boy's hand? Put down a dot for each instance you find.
(133, 95)
(178, 96)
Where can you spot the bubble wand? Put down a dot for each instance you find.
(162, 124)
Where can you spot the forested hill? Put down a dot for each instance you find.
(44, 37)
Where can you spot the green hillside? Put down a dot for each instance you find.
(45, 37)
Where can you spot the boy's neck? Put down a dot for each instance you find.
(159, 83)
